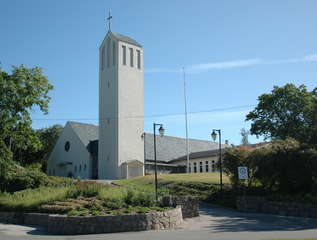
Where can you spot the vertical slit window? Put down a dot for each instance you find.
(124, 55)
(114, 53)
(138, 59)
(103, 58)
(108, 53)
(131, 57)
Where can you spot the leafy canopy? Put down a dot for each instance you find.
(20, 93)
(286, 112)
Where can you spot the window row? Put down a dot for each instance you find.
(202, 168)
(111, 54)
(108, 58)
(85, 168)
(124, 57)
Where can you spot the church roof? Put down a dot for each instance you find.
(168, 147)
(85, 132)
(126, 39)
(202, 154)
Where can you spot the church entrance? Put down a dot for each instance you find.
(132, 172)
(94, 167)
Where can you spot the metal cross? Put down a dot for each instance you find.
(109, 18)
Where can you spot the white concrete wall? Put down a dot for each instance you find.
(120, 101)
(77, 154)
(197, 161)
(131, 107)
(108, 117)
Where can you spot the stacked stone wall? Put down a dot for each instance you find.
(189, 204)
(262, 205)
(59, 224)
(110, 224)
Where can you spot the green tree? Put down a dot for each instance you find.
(20, 93)
(286, 112)
(48, 137)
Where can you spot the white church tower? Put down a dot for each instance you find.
(121, 107)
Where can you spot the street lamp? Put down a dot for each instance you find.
(214, 136)
(161, 131)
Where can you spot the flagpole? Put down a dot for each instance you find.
(186, 122)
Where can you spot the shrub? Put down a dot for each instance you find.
(96, 213)
(144, 210)
(72, 213)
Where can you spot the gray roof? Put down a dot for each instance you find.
(85, 132)
(169, 148)
(123, 38)
(202, 154)
(126, 39)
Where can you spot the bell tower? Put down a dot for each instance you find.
(121, 107)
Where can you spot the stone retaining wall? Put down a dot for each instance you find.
(189, 204)
(59, 224)
(109, 224)
(262, 205)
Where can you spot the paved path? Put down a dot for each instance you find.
(213, 223)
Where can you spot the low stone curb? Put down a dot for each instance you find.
(253, 204)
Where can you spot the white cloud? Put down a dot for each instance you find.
(232, 64)
(309, 58)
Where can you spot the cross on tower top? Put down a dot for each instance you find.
(109, 18)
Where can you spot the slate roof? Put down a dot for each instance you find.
(195, 155)
(85, 132)
(169, 148)
(123, 38)
(126, 39)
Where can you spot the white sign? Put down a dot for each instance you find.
(243, 172)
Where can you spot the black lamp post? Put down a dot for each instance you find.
(214, 136)
(161, 131)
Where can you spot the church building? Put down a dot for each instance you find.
(114, 149)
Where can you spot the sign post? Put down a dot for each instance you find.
(243, 174)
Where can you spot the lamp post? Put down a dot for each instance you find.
(214, 136)
(161, 131)
(144, 151)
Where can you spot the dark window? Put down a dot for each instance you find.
(131, 57)
(124, 55)
(67, 146)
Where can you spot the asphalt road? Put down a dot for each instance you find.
(213, 223)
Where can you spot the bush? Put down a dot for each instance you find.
(21, 180)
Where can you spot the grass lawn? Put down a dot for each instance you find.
(148, 181)
(204, 185)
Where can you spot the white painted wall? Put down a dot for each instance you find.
(77, 154)
(120, 101)
(197, 161)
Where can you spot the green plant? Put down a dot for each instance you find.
(96, 213)
(72, 213)
(144, 210)
(83, 214)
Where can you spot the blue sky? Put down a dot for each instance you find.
(233, 51)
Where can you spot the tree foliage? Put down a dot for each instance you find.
(285, 165)
(21, 92)
(286, 112)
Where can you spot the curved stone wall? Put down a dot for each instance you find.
(59, 224)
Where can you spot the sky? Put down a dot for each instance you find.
(232, 52)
